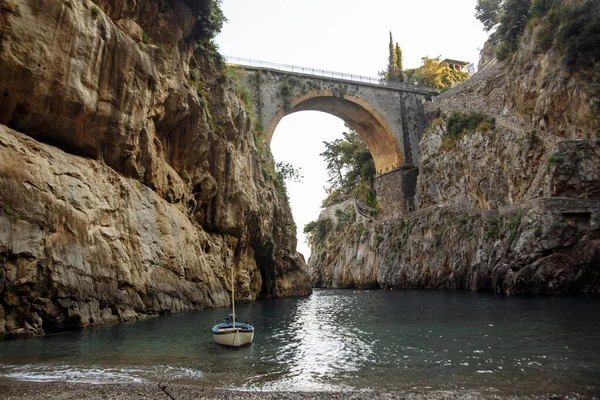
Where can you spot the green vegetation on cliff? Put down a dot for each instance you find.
(571, 27)
(351, 170)
(435, 74)
(210, 19)
(459, 124)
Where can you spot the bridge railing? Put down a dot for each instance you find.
(364, 210)
(320, 73)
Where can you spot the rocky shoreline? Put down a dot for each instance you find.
(12, 389)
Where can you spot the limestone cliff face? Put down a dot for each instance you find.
(543, 246)
(505, 211)
(512, 209)
(544, 93)
(342, 254)
(505, 167)
(534, 87)
(130, 177)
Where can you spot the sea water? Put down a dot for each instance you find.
(342, 340)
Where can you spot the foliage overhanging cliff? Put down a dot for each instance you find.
(131, 178)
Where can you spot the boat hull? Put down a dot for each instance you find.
(227, 335)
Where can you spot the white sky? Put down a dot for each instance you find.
(345, 36)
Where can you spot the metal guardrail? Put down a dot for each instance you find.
(364, 210)
(322, 73)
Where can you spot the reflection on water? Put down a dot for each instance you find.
(321, 341)
(337, 340)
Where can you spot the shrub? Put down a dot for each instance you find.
(513, 226)
(546, 32)
(95, 12)
(460, 123)
(434, 124)
(492, 228)
(210, 48)
(484, 127)
(317, 230)
(503, 51)
(286, 94)
(210, 19)
(579, 34)
(556, 158)
(533, 138)
(145, 38)
(448, 142)
(539, 8)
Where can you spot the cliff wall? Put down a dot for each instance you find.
(130, 177)
(506, 166)
(510, 211)
(511, 207)
(543, 246)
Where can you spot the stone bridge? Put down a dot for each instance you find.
(389, 118)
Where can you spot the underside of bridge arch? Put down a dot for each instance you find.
(370, 125)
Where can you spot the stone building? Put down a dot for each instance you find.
(456, 65)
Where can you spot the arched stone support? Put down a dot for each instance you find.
(389, 119)
(370, 125)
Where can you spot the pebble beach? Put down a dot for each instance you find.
(13, 389)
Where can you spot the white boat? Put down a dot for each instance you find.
(232, 333)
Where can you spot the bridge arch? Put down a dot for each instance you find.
(358, 114)
(389, 118)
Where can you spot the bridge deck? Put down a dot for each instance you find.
(328, 75)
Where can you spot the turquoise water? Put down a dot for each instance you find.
(339, 340)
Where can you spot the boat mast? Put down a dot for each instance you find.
(232, 296)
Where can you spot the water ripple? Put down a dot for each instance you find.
(339, 339)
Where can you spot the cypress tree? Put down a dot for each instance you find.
(392, 74)
(398, 53)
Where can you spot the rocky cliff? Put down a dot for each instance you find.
(131, 180)
(510, 207)
(487, 222)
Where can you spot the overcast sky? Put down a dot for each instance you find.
(346, 36)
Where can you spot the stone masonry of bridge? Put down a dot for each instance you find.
(390, 119)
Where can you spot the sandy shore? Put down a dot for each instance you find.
(12, 389)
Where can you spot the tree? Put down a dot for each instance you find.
(514, 17)
(430, 72)
(332, 156)
(351, 169)
(392, 72)
(287, 172)
(435, 74)
(398, 53)
(511, 17)
(488, 12)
